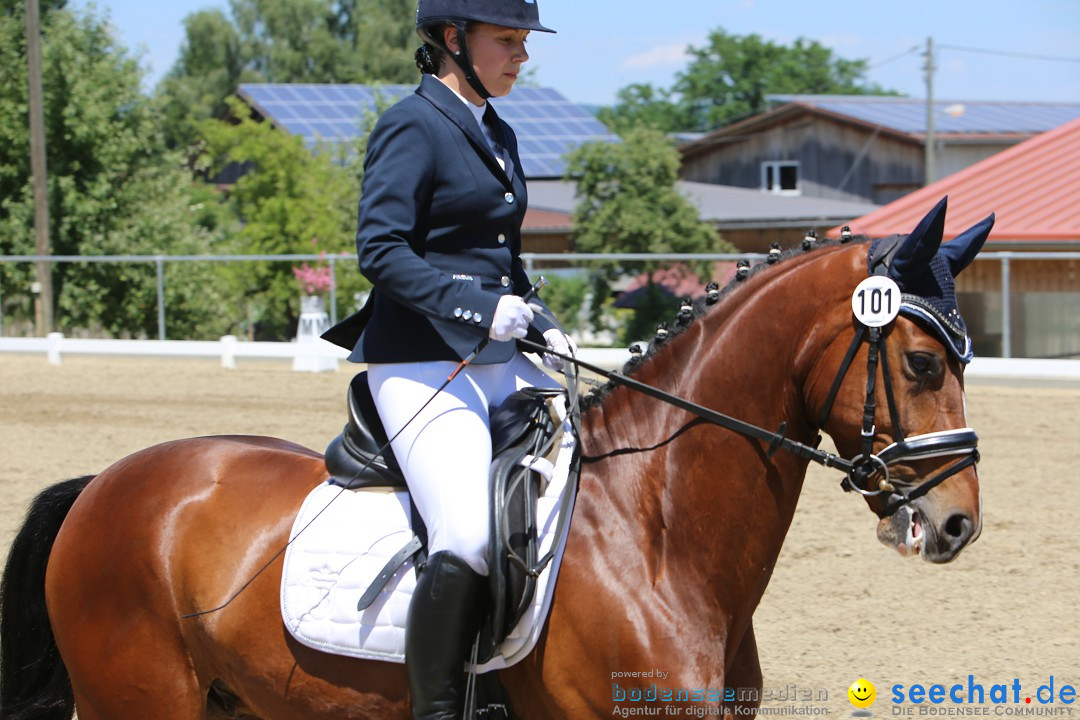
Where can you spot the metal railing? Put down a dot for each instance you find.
(532, 262)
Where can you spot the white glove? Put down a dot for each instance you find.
(511, 320)
(559, 343)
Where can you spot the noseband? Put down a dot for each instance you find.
(865, 466)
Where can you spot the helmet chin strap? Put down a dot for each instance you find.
(464, 61)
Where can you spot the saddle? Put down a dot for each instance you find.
(523, 432)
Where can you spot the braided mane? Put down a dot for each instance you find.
(702, 307)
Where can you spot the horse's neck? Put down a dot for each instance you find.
(739, 356)
(704, 511)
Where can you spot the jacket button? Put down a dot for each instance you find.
(502, 238)
(476, 318)
(505, 281)
(457, 312)
(509, 197)
(466, 315)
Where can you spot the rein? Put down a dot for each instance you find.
(777, 440)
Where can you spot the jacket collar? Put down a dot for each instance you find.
(449, 104)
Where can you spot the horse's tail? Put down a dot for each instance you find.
(34, 684)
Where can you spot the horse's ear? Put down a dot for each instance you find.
(920, 246)
(962, 249)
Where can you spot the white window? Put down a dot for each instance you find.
(780, 177)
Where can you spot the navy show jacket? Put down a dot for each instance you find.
(439, 235)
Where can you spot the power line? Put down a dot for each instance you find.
(1005, 53)
(911, 50)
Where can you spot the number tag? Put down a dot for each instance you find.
(876, 301)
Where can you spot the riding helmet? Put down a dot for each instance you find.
(433, 14)
(517, 14)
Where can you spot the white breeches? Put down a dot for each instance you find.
(445, 453)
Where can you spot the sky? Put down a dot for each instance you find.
(604, 45)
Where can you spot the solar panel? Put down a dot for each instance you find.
(908, 115)
(547, 124)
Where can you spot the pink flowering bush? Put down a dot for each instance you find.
(314, 280)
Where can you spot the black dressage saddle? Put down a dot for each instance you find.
(523, 425)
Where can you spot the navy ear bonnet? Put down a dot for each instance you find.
(925, 269)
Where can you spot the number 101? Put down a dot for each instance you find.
(879, 299)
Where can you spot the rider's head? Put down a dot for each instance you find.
(445, 25)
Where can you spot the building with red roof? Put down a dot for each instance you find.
(1033, 187)
(1021, 297)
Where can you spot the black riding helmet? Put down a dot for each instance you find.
(432, 14)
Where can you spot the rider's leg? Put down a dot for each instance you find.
(445, 455)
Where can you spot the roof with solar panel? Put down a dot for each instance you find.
(546, 123)
(908, 115)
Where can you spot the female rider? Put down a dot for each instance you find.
(439, 238)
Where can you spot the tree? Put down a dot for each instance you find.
(642, 104)
(291, 200)
(284, 41)
(629, 203)
(113, 188)
(207, 71)
(729, 78)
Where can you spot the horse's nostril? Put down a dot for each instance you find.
(958, 526)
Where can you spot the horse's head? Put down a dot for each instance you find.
(902, 418)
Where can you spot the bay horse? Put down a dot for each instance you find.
(675, 532)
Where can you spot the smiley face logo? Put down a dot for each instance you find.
(862, 693)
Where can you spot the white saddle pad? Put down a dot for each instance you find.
(342, 539)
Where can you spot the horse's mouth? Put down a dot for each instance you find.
(913, 541)
(904, 531)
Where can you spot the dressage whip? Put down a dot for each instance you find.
(536, 288)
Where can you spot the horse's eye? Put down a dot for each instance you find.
(923, 365)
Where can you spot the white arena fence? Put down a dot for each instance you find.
(1040, 324)
(323, 356)
(316, 356)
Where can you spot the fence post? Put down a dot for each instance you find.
(228, 352)
(333, 291)
(55, 339)
(160, 261)
(1006, 309)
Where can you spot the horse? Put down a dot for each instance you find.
(677, 525)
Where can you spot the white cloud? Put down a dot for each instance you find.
(661, 56)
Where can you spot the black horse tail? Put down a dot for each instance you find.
(34, 684)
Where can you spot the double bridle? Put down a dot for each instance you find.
(863, 468)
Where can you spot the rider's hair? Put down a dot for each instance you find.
(429, 59)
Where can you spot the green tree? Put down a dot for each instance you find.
(291, 200)
(729, 77)
(629, 203)
(113, 188)
(284, 41)
(642, 104)
(208, 69)
(14, 8)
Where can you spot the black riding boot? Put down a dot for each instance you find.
(444, 616)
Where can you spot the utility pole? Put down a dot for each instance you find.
(929, 161)
(43, 306)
